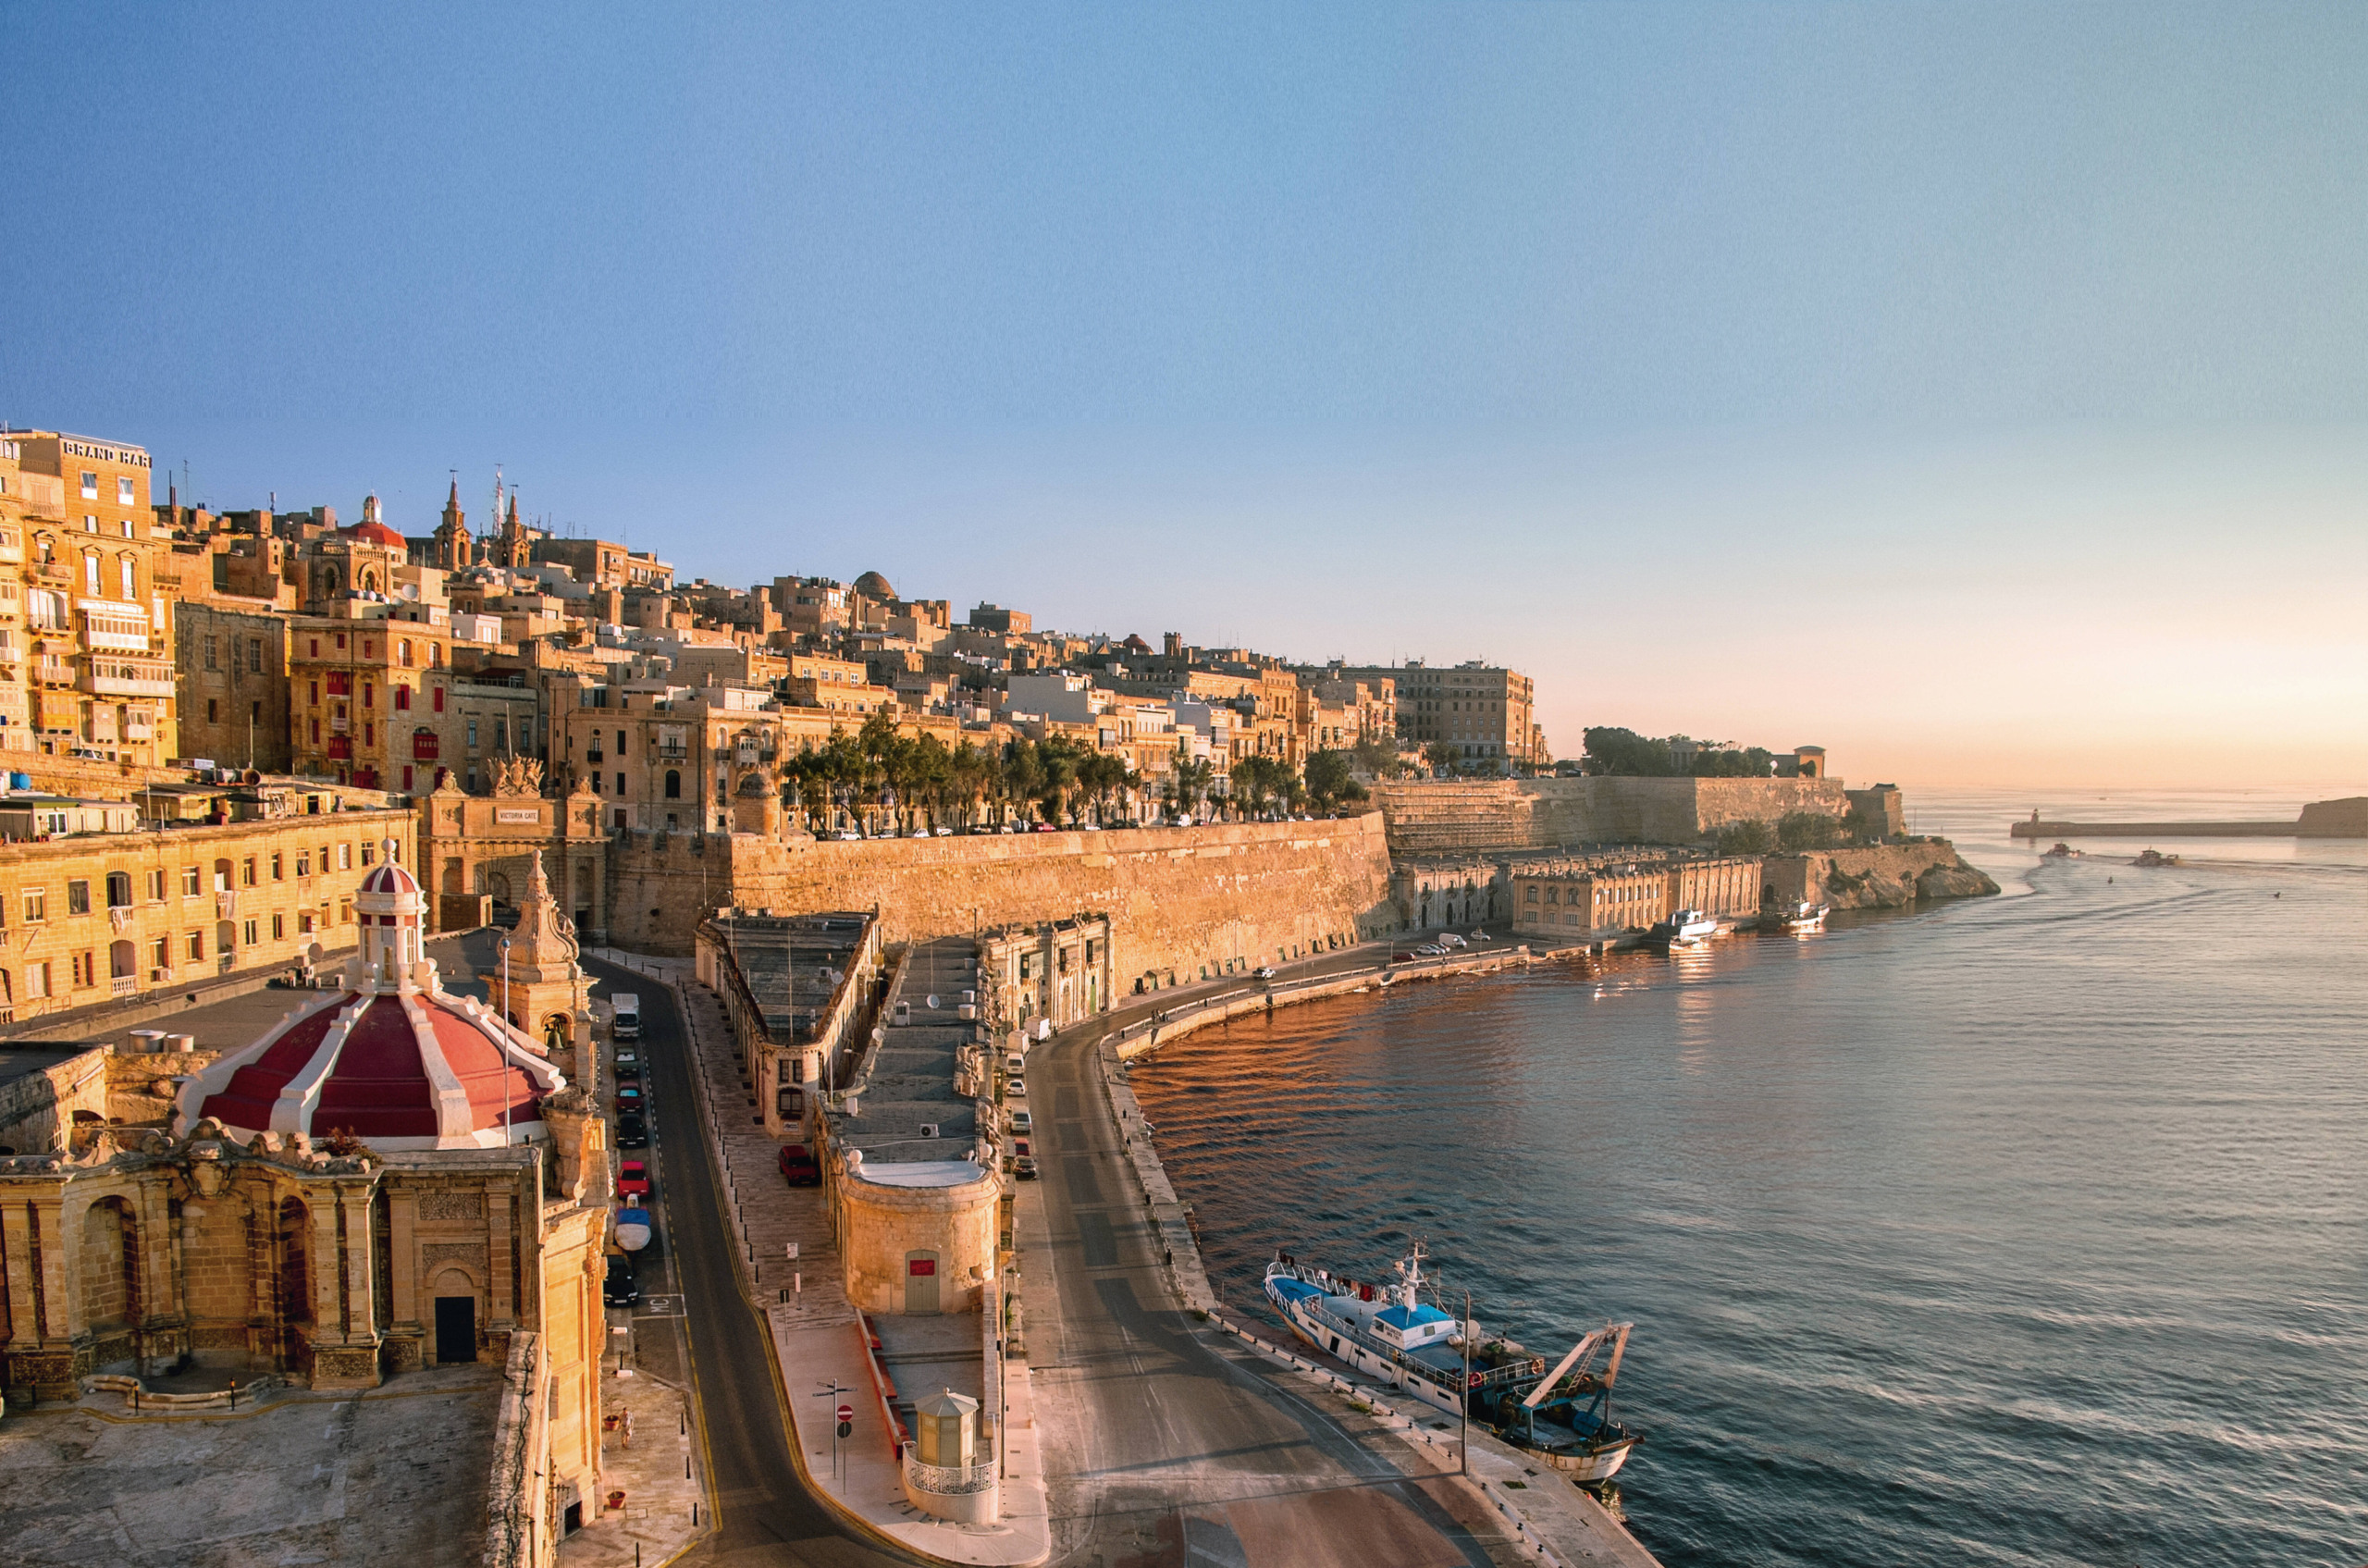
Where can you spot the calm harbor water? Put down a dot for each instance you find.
(2027, 1230)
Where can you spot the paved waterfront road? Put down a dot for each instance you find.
(766, 1515)
(1166, 1446)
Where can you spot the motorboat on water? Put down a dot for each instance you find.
(1389, 1332)
(2151, 858)
(1801, 917)
(1687, 928)
(2060, 851)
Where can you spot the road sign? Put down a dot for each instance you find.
(847, 1412)
(846, 1428)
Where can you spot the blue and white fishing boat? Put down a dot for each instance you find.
(1389, 1333)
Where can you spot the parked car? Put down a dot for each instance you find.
(1046, 827)
(798, 1165)
(1015, 1088)
(628, 1099)
(1024, 1167)
(1022, 1122)
(1263, 972)
(846, 836)
(633, 1178)
(627, 1059)
(620, 1288)
(1013, 1063)
(1401, 958)
(629, 1078)
(1449, 939)
(633, 1131)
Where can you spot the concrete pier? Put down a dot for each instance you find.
(2346, 818)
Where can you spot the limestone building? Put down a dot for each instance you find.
(1589, 897)
(85, 633)
(389, 1177)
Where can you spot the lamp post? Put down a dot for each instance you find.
(1463, 1446)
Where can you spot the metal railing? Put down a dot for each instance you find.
(947, 1480)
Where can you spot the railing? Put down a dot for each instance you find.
(124, 984)
(947, 1480)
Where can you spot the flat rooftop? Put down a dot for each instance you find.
(907, 1080)
(792, 964)
(19, 1060)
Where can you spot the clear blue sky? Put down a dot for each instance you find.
(1977, 390)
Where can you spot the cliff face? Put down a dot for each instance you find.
(1888, 877)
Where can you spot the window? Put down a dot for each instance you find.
(473, 734)
(212, 715)
(84, 971)
(344, 912)
(403, 651)
(118, 890)
(251, 933)
(406, 776)
(502, 734)
(620, 742)
(124, 575)
(278, 928)
(36, 904)
(189, 882)
(124, 494)
(160, 953)
(344, 856)
(304, 923)
(195, 945)
(340, 642)
(369, 694)
(155, 887)
(278, 872)
(209, 653)
(37, 980)
(621, 783)
(254, 656)
(303, 862)
(247, 872)
(91, 576)
(439, 699)
(316, 648)
(78, 897)
(673, 784)
(402, 700)
(369, 852)
(313, 692)
(90, 486)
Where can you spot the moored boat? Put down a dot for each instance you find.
(1687, 928)
(1389, 1333)
(1800, 917)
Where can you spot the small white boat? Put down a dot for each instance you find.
(1687, 928)
(1801, 917)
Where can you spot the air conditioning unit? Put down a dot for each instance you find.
(159, 975)
(928, 1129)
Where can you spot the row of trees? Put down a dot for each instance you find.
(1625, 753)
(919, 781)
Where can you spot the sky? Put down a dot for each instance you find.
(1979, 392)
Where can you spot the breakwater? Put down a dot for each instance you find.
(2346, 818)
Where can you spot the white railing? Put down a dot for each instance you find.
(947, 1480)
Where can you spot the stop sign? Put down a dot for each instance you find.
(847, 1412)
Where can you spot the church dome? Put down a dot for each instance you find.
(393, 1058)
(374, 533)
(872, 585)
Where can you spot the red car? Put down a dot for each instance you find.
(799, 1167)
(633, 1179)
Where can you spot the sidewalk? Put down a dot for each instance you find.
(817, 1335)
(655, 1524)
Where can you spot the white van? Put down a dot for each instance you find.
(625, 1021)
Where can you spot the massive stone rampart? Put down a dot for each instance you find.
(1438, 817)
(1179, 898)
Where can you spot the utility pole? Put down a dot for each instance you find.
(1463, 1448)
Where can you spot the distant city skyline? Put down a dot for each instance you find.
(1978, 393)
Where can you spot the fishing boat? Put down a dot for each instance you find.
(2152, 858)
(1800, 917)
(2062, 851)
(1389, 1333)
(1687, 928)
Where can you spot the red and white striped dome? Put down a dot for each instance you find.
(393, 1059)
(409, 1069)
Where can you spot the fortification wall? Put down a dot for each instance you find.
(2335, 818)
(1885, 877)
(1179, 898)
(1499, 814)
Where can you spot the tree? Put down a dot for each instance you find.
(1808, 830)
(1627, 754)
(1747, 838)
(1378, 754)
(1442, 756)
(1331, 779)
(1190, 780)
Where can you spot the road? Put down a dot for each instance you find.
(1165, 1445)
(766, 1518)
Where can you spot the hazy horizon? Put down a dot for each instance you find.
(1978, 393)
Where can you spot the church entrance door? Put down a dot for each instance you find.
(456, 1328)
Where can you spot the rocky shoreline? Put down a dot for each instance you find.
(1884, 877)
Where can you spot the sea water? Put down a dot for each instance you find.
(2029, 1230)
